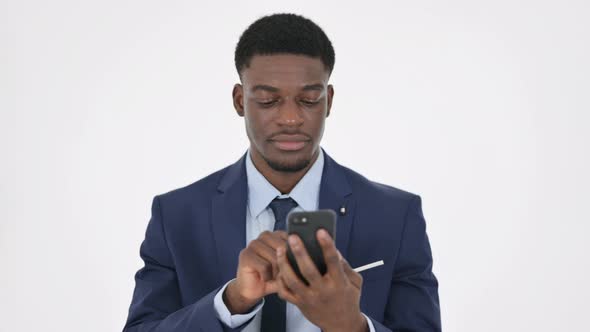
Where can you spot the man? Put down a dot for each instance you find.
(214, 251)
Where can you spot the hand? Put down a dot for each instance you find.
(257, 272)
(330, 301)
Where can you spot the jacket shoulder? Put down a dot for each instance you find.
(200, 190)
(377, 190)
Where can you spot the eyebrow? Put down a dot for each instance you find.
(312, 87)
(317, 87)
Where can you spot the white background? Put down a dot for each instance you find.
(479, 107)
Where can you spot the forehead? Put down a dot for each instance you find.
(284, 71)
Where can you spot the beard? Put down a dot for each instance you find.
(287, 167)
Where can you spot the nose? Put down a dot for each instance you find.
(289, 113)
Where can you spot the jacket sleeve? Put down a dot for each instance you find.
(413, 303)
(156, 305)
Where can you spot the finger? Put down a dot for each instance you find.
(271, 286)
(263, 250)
(258, 264)
(306, 265)
(288, 276)
(331, 256)
(282, 234)
(355, 278)
(274, 268)
(274, 239)
(284, 292)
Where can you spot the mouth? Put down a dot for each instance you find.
(289, 145)
(289, 142)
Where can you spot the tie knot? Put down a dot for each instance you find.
(281, 207)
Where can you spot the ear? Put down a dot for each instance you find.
(330, 96)
(238, 98)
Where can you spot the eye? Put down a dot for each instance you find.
(309, 102)
(268, 103)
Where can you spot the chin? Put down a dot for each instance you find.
(289, 163)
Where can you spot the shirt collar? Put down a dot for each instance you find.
(305, 193)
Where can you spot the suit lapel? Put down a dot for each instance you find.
(228, 211)
(336, 193)
(228, 218)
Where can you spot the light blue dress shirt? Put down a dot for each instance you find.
(260, 218)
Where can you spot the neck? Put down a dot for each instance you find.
(283, 181)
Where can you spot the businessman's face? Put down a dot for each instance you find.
(285, 100)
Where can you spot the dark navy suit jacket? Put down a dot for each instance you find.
(196, 233)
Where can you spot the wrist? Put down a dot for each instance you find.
(358, 324)
(235, 302)
(363, 324)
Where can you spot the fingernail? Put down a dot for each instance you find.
(323, 234)
(280, 252)
(293, 241)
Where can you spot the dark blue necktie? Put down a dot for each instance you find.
(274, 314)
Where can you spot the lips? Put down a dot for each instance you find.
(289, 142)
(289, 146)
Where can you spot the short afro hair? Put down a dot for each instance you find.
(284, 33)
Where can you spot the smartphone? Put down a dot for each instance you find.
(306, 224)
